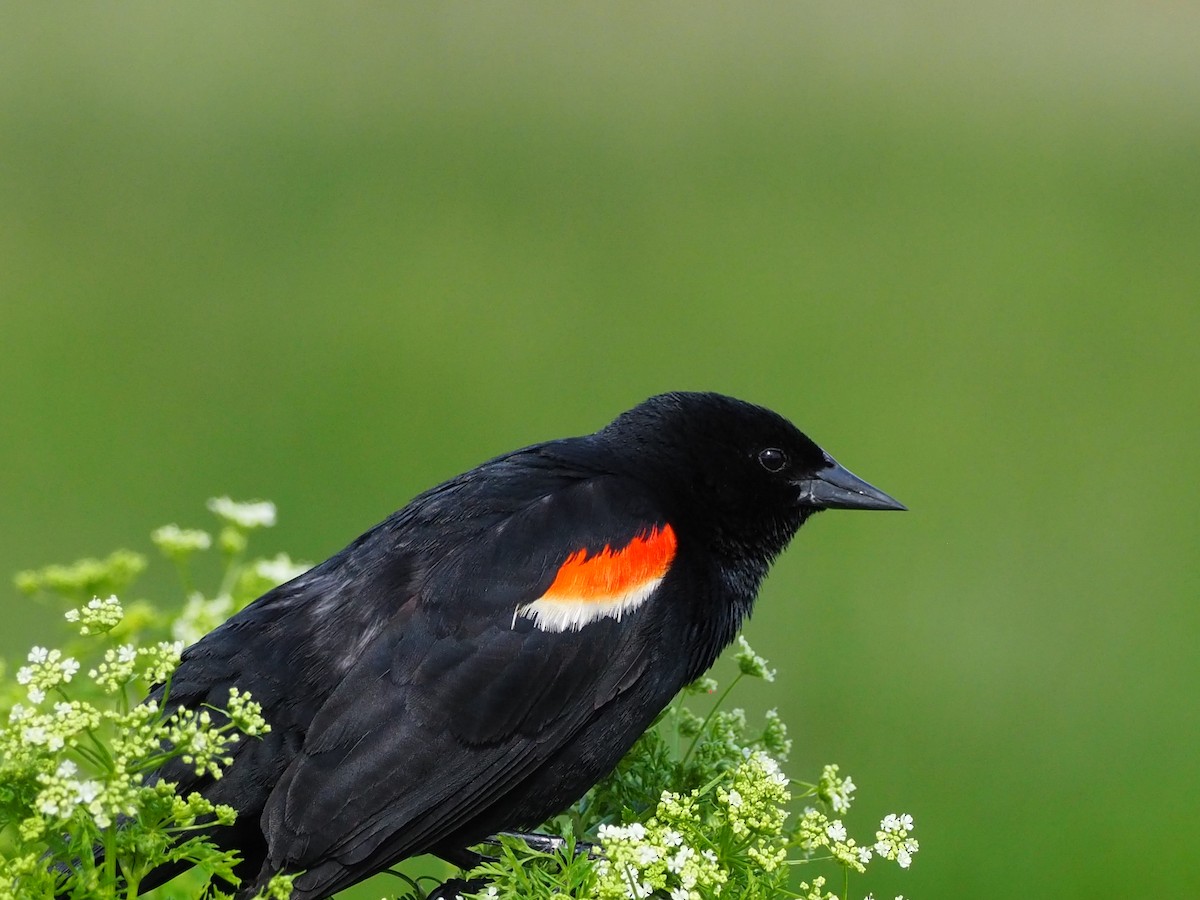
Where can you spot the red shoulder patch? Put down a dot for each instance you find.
(607, 584)
(611, 573)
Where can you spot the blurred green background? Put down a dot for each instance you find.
(333, 254)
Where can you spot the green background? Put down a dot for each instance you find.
(333, 254)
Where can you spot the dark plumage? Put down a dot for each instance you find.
(464, 668)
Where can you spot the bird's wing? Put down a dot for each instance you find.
(512, 642)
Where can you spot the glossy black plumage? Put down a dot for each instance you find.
(414, 709)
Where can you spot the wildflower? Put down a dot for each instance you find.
(180, 543)
(98, 616)
(47, 669)
(257, 514)
(892, 840)
(775, 738)
(750, 663)
(835, 790)
(280, 568)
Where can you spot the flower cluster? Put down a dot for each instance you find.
(180, 543)
(257, 514)
(86, 578)
(640, 860)
(750, 663)
(47, 670)
(98, 616)
(77, 753)
(892, 840)
(727, 837)
(835, 790)
(815, 832)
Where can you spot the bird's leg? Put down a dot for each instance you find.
(548, 843)
(462, 857)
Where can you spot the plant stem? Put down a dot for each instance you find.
(707, 719)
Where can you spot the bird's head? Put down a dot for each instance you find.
(745, 473)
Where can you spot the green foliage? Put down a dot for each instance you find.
(78, 816)
(698, 808)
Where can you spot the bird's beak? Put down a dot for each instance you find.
(836, 487)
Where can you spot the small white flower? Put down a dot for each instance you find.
(36, 695)
(679, 860)
(672, 838)
(38, 655)
(181, 542)
(750, 663)
(280, 569)
(646, 854)
(69, 668)
(836, 830)
(735, 799)
(258, 514)
(34, 734)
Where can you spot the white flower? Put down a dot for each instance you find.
(679, 860)
(646, 854)
(180, 542)
(672, 838)
(34, 734)
(735, 799)
(750, 663)
(38, 655)
(36, 695)
(258, 514)
(69, 668)
(836, 830)
(280, 569)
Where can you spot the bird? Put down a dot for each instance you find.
(478, 660)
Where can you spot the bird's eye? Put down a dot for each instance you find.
(773, 459)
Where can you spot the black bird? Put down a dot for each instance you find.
(481, 658)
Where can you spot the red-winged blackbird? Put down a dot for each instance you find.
(478, 660)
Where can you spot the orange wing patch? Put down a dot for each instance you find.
(606, 585)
